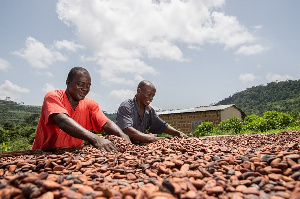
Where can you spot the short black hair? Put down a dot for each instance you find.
(75, 71)
(145, 83)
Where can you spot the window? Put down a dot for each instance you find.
(195, 124)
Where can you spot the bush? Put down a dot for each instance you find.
(259, 124)
(278, 120)
(250, 119)
(3, 147)
(231, 125)
(25, 131)
(20, 143)
(271, 120)
(3, 135)
(205, 128)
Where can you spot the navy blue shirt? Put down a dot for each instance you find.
(128, 115)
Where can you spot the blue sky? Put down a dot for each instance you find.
(196, 52)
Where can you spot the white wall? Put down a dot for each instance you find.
(230, 112)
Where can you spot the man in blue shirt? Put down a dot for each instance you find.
(135, 116)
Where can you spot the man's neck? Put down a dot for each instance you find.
(72, 101)
(141, 107)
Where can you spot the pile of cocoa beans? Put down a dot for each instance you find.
(234, 166)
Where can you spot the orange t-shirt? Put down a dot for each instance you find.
(48, 135)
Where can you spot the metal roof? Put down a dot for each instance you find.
(197, 109)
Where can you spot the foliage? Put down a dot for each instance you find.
(259, 124)
(16, 112)
(3, 147)
(278, 119)
(20, 143)
(270, 121)
(231, 125)
(3, 134)
(111, 116)
(281, 96)
(205, 128)
(165, 135)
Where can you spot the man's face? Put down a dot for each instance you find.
(79, 87)
(146, 94)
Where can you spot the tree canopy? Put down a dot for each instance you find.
(281, 96)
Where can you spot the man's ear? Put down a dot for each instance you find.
(67, 82)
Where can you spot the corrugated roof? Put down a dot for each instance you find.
(197, 109)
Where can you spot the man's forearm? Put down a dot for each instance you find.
(72, 128)
(112, 129)
(139, 136)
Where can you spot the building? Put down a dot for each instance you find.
(187, 120)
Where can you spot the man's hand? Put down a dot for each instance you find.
(182, 135)
(105, 144)
(112, 129)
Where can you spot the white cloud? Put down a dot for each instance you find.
(4, 65)
(247, 77)
(68, 45)
(37, 55)
(49, 74)
(228, 31)
(258, 27)
(84, 58)
(164, 49)
(112, 68)
(8, 89)
(250, 50)
(122, 33)
(271, 77)
(122, 94)
(46, 73)
(48, 87)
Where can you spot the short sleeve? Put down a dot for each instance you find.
(124, 116)
(53, 104)
(158, 126)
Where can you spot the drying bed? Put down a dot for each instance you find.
(234, 166)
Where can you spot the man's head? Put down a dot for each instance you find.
(145, 92)
(78, 83)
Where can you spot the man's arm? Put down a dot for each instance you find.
(172, 131)
(71, 127)
(112, 129)
(136, 135)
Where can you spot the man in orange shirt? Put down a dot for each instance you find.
(67, 117)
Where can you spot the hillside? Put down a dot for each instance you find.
(15, 112)
(275, 96)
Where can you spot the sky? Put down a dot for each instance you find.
(195, 52)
